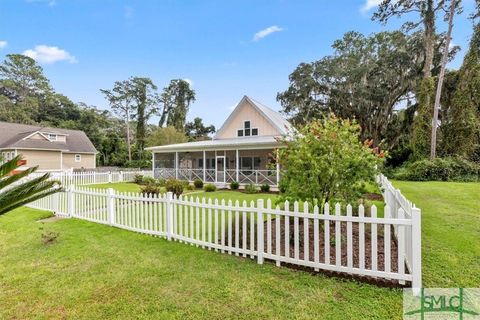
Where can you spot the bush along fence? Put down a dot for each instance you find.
(342, 239)
(91, 177)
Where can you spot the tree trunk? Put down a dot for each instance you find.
(127, 122)
(429, 39)
(440, 82)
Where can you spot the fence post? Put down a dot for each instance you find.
(55, 201)
(120, 176)
(416, 250)
(111, 206)
(169, 213)
(109, 176)
(260, 231)
(71, 200)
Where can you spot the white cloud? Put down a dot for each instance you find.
(50, 3)
(47, 54)
(369, 4)
(190, 81)
(231, 108)
(266, 32)
(3, 44)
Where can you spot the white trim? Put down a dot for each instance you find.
(80, 152)
(34, 133)
(61, 160)
(36, 149)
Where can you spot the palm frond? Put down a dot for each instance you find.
(15, 193)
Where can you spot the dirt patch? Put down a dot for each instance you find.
(50, 219)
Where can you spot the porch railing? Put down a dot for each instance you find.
(257, 177)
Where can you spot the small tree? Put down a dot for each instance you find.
(325, 161)
(14, 196)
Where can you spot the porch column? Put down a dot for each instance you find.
(278, 169)
(237, 164)
(176, 165)
(153, 163)
(215, 165)
(204, 167)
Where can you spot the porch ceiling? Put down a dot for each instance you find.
(249, 143)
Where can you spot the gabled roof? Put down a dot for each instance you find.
(272, 116)
(15, 136)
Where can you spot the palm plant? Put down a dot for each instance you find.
(15, 193)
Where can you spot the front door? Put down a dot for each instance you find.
(220, 169)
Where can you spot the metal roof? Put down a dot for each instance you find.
(225, 144)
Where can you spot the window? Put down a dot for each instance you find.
(249, 163)
(78, 158)
(52, 137)
(247, 130)
(200, 163)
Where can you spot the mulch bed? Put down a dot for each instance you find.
(321, 244)
(373, 196)
(355, 248)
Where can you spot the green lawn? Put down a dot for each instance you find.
(96, 271)
(120, 186)
(450, 231)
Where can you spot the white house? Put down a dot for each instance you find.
(242, 150)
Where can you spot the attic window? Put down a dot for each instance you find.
(78, 157)
(52, 137)
(247, 131)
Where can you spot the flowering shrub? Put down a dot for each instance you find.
(325, 161)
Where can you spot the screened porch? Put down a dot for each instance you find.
(249, 166)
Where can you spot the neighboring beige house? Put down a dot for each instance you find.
(50, 149)
(242, 150)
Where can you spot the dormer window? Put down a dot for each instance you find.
(247, 130)
(52, 137)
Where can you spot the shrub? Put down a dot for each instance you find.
(160, 182)
(326, 161)
(209, 187)
(175, 186)
(190, 187)
(198, 183)
(138, 179)
(234, 185)
(265, 187)
(446, 169)
(251, 188)
(150, 190)
(148, 180)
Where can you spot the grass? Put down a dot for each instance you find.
(450, 231)
(96, 271)
(120, 186)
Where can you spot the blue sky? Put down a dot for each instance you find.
(225, 48)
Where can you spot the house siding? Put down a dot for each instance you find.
(247, 112)
(87, 161)
(45, 160)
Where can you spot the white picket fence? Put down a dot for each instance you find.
(91, 177)
(338, 239)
